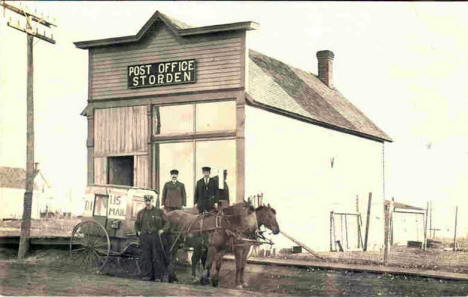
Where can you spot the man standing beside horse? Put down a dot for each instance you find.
(173, 197)
(149, 226)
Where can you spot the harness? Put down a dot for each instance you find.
(223, 222)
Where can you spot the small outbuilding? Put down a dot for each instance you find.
(12, 188)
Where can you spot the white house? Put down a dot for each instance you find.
(12, 187)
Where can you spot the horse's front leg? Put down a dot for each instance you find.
(196, 256)
(218, 263)
(238, 258)
(245, 253)
(212, 252)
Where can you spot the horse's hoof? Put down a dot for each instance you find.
(204, 281)
(239, 287)
(245, 285)
(215, 282)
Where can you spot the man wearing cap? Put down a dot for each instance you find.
(149, 226)
(173, 194)
(173, 197)
(206, 192)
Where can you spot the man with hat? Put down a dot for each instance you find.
(149, 226)
(173, 194)
(173, 197)
(206, 192)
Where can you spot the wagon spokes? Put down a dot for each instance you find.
(90, 245)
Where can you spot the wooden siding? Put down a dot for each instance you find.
(140, 173)
(100, 171)
(119, 131)
(219, 59)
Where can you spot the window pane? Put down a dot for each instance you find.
(173, 119)
(177, 156)
(100, 206)
(216, 116)
(218, 155)
(120, 170)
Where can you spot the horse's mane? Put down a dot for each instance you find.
(237, 206)
(263, 206)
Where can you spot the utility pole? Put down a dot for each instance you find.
(30, 28)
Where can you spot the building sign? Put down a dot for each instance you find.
(88, 205)
(117, 207)
(162, 74)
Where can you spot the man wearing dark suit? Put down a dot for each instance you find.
(173, 194)
(206, 192)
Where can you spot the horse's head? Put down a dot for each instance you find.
(266, 215)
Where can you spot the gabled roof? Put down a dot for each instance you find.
(402, 205)
(281, 88)
(176, 26)
(15, 178)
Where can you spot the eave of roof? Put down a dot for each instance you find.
(177, 27)
(402, 205)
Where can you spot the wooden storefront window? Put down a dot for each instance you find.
(216, 116)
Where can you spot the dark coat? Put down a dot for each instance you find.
(150, 220)
(206, 195)
(173, 195)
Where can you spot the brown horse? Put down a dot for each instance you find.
(223, 240)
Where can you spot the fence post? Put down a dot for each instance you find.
(388, 213)
(367, 221)
(455, 230)
(425, 227)
(331, 231)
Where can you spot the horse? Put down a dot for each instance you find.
(221, 241)
(238, 223)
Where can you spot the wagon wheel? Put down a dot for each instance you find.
(90, 245)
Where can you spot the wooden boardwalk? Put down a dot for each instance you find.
(358, 268)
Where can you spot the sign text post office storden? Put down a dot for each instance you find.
(162, 74)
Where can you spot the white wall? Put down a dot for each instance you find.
(12, 203)
(289, 161)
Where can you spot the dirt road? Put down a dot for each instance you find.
(49, 276)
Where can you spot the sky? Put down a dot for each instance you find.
(403, 64)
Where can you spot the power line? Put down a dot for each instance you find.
(31, 29)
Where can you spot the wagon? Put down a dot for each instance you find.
(106, 231)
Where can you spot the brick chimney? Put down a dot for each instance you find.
(325, 67)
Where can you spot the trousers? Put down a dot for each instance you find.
(154, 262)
